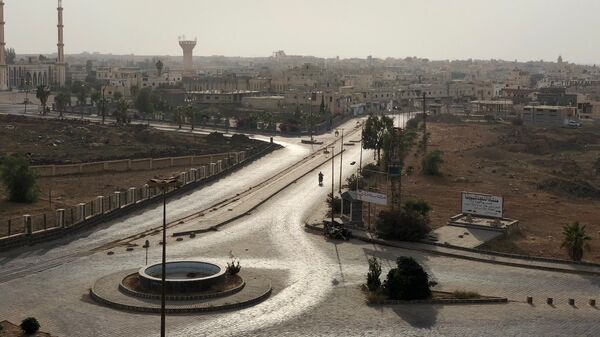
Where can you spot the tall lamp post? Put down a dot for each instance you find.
(27, 84)
(332, 183)
(341, 158)
(104, 102)
(163, 184)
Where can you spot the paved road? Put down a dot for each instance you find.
(317, 293)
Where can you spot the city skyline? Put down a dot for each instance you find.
(459, 30)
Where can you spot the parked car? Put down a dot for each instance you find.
(573, 124)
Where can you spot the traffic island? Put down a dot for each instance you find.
(437, 297)
(205, 289)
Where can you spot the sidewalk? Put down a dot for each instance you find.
(539, 263)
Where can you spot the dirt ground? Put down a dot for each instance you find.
(82, 142)
(547, 179)
(52, 141)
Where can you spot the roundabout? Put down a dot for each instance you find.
(192, 287)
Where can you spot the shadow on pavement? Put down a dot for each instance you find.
(421, 316)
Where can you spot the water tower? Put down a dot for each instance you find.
(188, 54)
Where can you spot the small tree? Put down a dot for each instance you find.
(143, 101)
(373, 281)
(334, 203)
(403, 225)
(120, 113)
(234, 267)
(19, 180)
(575, 240)
(354, 183)
(430, 165)
(420, 206)
(159, 67)
(62, 100)
(42, 93)
(30, 325)
(408, 281)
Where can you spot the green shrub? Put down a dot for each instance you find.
(334, 203)
(216, 137)
(430, 165)
(369, 170)
(373, 281)
(240, 138)
(420, 206)
(465, 295)
(408, 281)
(234, 267)
(30, 325)
(19, 180)
(354, 183)
(414, 122)
(402, 225)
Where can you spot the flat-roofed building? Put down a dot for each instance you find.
(548, 115)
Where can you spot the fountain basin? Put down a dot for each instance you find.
(182, 276)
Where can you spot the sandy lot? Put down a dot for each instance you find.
(547, 178)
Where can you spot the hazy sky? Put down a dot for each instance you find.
(436, 29)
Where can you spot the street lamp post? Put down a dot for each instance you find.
(27, 83)
(147, 245)
(103, 103)
(332, 183)
(163, 184)
(341, 161)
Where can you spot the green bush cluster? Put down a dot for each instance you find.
(431, 163)
(19, 180)
(233, 267)
(408, 281)
(411, 223)
(30, 325)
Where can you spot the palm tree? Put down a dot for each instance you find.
(575, 239)
(62, 100)
(178, 114)
(42, 93)
(190, 112)
(159, 67)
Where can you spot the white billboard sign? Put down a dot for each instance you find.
(371, 197)
(482, 204)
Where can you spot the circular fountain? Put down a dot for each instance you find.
(191, 286)
(181, 276)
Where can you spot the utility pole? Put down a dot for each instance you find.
(395, 167)
(332, 183)
(312, 95)
(424, 123)
(103, 104)
(163, 185)
(26, 94)
(341, 162)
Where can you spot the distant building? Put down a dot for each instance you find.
(548, 115)
(33, 72)
(556, 96)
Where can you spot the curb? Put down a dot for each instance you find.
(496, 300)
(224, 307)
(471, 258)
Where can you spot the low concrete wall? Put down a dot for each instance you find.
(135, 164)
